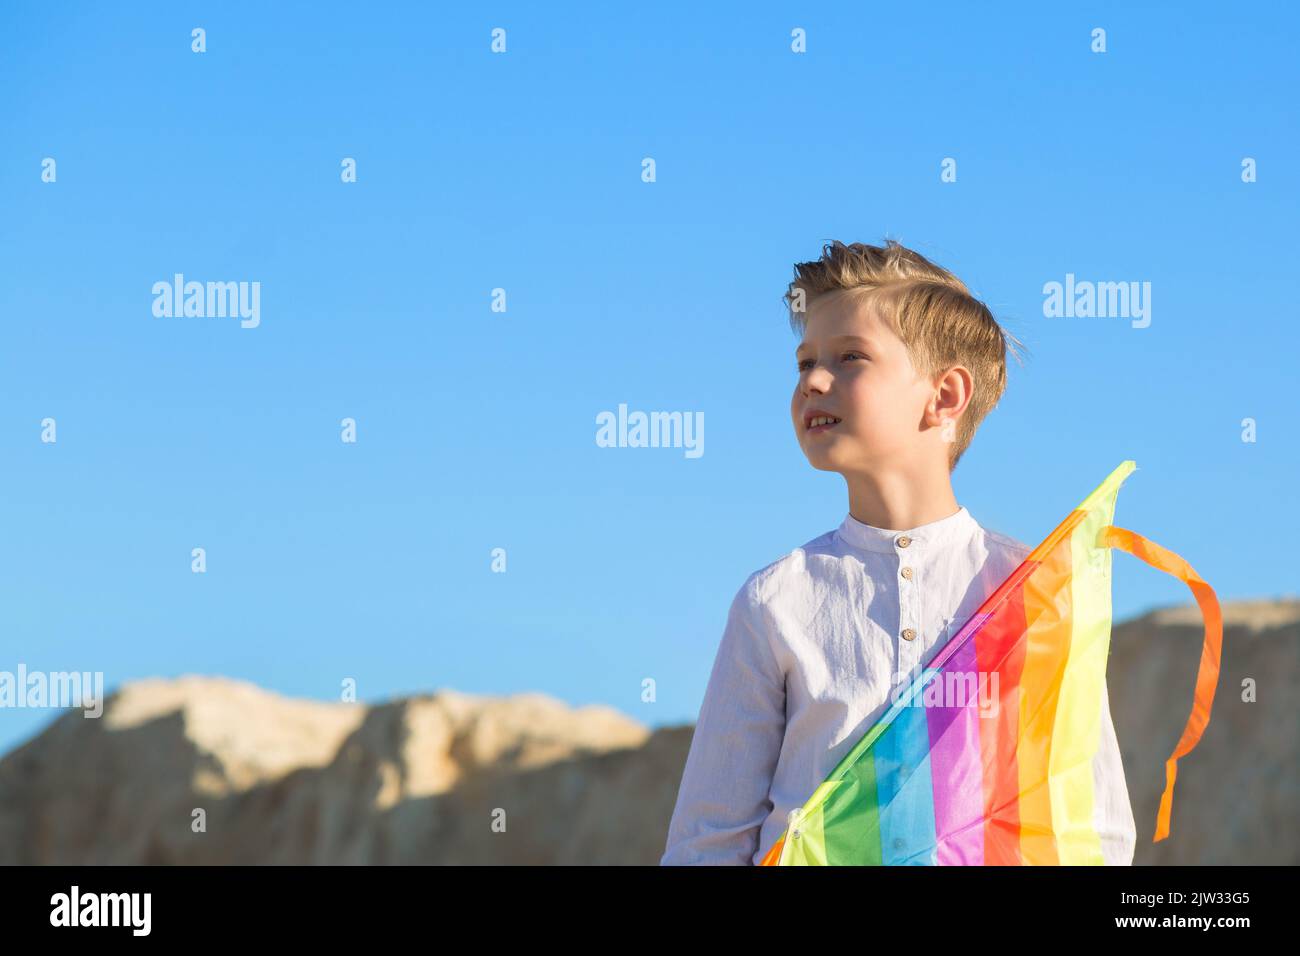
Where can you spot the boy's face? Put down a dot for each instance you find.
(853, 367)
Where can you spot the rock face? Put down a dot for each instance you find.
(453, 778)
(418, 780)
(1238, 792)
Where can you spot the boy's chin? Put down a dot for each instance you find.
(823, 461)
(841, 460)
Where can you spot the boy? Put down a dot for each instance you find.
(898, 365)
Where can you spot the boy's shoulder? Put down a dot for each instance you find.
(792, 567)
(1007, 543)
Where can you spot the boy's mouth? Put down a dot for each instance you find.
(816, 424)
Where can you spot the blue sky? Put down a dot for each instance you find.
(476, 429)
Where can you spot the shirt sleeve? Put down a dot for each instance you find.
(1114, 811)
(723, 798)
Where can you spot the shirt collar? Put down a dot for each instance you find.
(926, 537)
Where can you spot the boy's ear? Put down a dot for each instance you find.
(953, 391)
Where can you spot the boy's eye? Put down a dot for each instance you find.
(807, 363)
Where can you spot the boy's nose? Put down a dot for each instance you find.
(816, 381)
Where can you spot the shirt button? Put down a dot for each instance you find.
(898, 843)
(908, 634)
(904, 541)
(907, 573)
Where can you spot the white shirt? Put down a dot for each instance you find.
(812, 646)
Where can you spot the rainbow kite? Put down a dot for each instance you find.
(985, 758)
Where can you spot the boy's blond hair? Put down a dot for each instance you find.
(927, 306)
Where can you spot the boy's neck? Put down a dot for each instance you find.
(898, 502)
